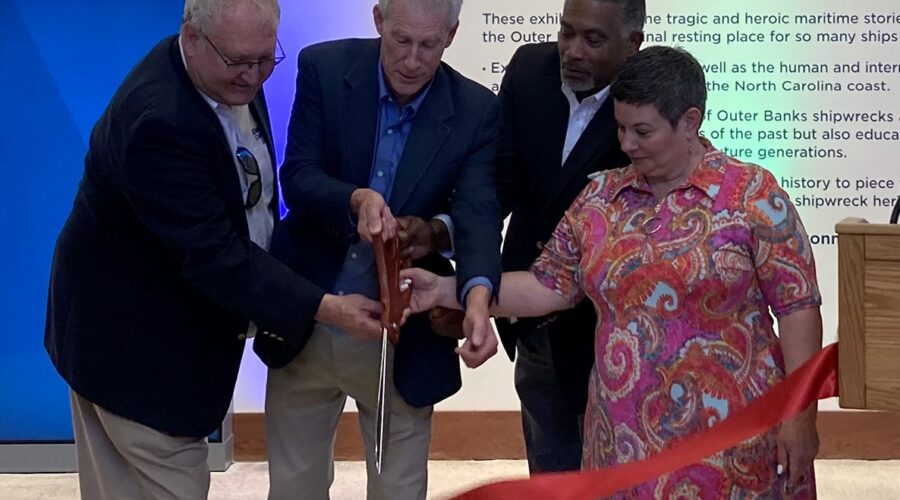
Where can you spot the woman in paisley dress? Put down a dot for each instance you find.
(687, 254)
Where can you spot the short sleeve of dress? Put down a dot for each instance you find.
(559, 265)
(783, 254)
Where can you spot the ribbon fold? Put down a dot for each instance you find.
(816, 379)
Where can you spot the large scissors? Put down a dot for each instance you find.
(394, 301)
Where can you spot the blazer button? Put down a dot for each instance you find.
(242, 336)
(539, 245)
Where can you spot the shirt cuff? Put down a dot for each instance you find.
(472, 283)
(449, 223)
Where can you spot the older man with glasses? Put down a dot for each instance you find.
(162, 269)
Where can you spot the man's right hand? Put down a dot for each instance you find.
(356, 314)
(373, 215)
(481, 341)
(419, 238)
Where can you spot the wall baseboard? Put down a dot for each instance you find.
(488, 435)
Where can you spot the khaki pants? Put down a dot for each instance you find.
(122, 459)
(304, 402)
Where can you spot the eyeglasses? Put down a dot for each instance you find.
(265, 65)
(250, 167)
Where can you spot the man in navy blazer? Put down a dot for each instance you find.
(380, 127)
(161, 270)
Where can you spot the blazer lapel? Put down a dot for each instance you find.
(594, 137)
(359, 111)
(597, 139)
(260, 113)
(555, 113)
(232, 184)
(208, 114)
(429, 131)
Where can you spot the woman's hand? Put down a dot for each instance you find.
(798, 445)
(429, 290)
(800, 334)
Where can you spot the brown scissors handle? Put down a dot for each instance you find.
(388, 264)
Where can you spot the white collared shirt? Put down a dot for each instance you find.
(580, 115)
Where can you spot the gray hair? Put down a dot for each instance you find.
(635, 13)
(203, 13)
(455, 7)
(667, 78)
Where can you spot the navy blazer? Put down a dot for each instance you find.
(448, 163)
(537, 188)
(154, 276)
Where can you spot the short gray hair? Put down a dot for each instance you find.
(203, 13)
(668, 78)
(455, 7)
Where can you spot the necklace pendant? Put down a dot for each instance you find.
(652, 225)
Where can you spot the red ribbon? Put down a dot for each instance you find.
(816, 379)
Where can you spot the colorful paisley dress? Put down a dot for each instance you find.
(683, 290)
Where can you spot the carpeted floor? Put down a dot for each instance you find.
(837, 479)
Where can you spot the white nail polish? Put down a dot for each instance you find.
(779, 470)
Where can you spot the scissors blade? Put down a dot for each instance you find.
(383, 413)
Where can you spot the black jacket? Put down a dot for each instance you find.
(537, 189)
(154, 276)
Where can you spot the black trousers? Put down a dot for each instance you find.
(552, 427)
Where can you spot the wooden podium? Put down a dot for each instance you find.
(869, 315)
